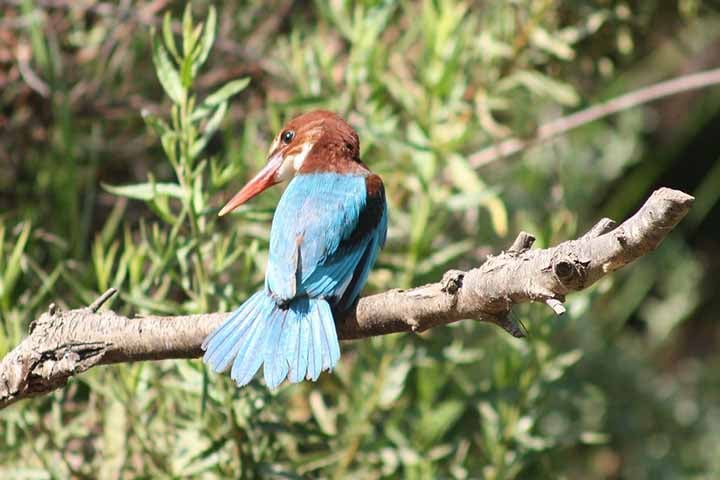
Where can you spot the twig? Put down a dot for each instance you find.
(556, 306)
(62, 344)
(523, 242)
(95, 306)
(562, 125)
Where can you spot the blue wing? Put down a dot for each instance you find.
(377, 241)
(325, 236)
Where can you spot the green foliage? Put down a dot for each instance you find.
(180, 245)
(123, 164)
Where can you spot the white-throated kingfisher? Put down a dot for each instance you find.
(328, 227)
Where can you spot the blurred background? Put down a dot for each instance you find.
(116, 151)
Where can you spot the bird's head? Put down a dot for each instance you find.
(312, 142)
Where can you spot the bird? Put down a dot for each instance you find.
(327, 230)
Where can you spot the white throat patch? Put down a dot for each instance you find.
(292, 163)
(299, 158)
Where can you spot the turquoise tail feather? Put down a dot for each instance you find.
(297, 342)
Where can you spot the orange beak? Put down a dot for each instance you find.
(266, 178)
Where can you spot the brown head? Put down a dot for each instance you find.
(317, 141)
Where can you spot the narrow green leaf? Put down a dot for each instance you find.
(97, 261)
(48, 282)
(433, 426)
(326, 417)
(201, 112)
(463, 201)
(197, 31)
(168, 36)
(113, 221)
(182, 254)
(553, 44)
(121, 271)
(444, 256)
(476, 192)
(187, 30)
(166, 72)
(207, 40)
(110, 263)
(145, 191)
(394, 382)
(219, 96)
(161, 207)
(198, 199)
(169, 145)
(555, 368)
(86, 295)
(157, 124)
(12, 271)
(228, 260)
(463, 176)
(540, 84)
(226, 91)
(103, 262)
(212, 125)
(141, 301)
(186, 72)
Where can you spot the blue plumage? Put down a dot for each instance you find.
(314, 215)
(325, 237)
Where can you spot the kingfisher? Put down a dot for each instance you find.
(326, 233)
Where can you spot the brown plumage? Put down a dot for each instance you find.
(336, 146)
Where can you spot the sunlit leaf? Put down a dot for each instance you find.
(187, 30)
(553, 44)
(207, 40)
(476, 193)
(226, 91)
(168, 36)
(542, 85)
(166, 72)
(146, 191)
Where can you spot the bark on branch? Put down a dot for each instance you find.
(62, 344)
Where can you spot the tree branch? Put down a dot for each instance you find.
(62, 344)
(559, 126)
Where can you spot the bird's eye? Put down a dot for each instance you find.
(287, 136)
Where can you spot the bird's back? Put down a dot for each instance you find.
(322, 237)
